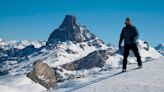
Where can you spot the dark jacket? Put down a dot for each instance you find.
(129, 34)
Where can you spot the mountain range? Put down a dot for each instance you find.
(71, 49)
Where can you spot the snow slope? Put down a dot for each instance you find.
(19, 84)
(150, 78)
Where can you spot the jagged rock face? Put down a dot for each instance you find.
(70, 30)
(26, 51)
(160, 48)
(94, 59)
(43, 74)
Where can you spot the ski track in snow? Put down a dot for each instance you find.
(150, 78)
(98, 80)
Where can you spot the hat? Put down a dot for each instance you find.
(128, 19)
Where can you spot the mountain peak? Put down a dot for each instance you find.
(69, 21)
(70, 30)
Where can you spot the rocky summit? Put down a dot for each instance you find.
(70, 30)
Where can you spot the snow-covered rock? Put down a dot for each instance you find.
(160, 48)
(147, 54)
(94, 59)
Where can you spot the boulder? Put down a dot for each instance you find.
(43, 74)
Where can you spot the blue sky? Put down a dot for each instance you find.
(36, 19)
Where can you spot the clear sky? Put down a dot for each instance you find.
(36, 19)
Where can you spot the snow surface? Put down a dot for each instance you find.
(19, 84)
(148, 79)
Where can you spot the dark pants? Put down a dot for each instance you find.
(134, 48)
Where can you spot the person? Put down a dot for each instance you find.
(130, 35)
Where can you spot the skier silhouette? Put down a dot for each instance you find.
(130, 35)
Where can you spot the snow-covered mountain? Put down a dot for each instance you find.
(68, 43)
(11, 48)
(7, 45)
(14, 52)
(70, 30)
(160, 48)
(71, 47)
(14, 49)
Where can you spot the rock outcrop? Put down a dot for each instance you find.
(43, 74)
(94, 59)
(160, 48)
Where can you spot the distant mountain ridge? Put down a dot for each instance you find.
(6, 44)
